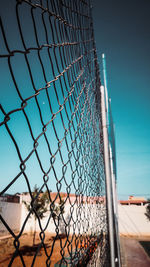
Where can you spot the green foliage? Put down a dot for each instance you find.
(57, 209)
(39, 206)
(40, 203)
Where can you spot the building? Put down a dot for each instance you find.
(10, 198)
(132, 200)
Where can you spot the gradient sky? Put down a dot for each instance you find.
(122, 32)
(34, 35)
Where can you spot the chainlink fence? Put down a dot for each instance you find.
(52, 165)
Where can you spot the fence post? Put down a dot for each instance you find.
(115, 211)
(108, 178)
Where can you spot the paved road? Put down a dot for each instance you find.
(134, 254)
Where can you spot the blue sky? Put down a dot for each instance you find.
(22, 74)
(122, 33)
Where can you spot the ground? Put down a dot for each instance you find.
(132, 252)
(28, 251)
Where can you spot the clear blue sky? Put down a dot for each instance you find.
(122, 32)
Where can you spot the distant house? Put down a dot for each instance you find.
(78, 199)
(67, 198)
(139, 201)
(10, 198)
(55, 197)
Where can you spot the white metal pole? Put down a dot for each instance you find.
(115, 205)
(113, 181)
(108, 178)
(105, 81)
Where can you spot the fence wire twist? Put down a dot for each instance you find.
(51, 130)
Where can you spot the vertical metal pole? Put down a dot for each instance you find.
(112, 164)
(113, 181)
(108, 178)
(115, 210)
(115, 205)
(105, 81)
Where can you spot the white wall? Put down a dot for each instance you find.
(132, 220)
(11, 213)
(93, 223)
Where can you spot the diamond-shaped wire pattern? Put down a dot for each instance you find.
(50, 118)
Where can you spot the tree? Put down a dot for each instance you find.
(147, 213)
(38, 208)
(57, 209)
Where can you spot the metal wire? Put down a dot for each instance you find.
(54, 92)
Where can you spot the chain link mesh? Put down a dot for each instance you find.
(50, 118)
